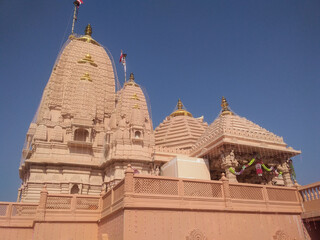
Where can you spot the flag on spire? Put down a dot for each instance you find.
(123, 61)
(122, 57)
(78, 3)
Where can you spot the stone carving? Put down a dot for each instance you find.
(196, 234)
(57, 135)
(281, 235)
(41, 133)
(238, 127)
(229, 160)
(157, 171)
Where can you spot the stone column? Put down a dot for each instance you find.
(129, 181)
(287, 179)
(226, 190)
(286, 175)
(42, 204)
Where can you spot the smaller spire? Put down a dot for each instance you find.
(131, 78)
(179, 104)
(225, 107)
(180, 110)
(131, 81)
(88, 30)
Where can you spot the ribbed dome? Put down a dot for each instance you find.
(180, 129)
(82, 83)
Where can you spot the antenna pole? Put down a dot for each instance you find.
(76, 5)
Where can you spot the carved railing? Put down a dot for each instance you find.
(166, 192)
(310, 195)
(112, 197)
(72, 202)
(13, 214)
(17, 210)
(51, 207)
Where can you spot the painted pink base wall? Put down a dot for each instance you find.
(16, 233)
(65, 231)
(160, 225)
(112, 227)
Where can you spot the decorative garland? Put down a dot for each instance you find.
(258, 168)
(231, 169)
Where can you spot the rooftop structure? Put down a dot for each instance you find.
(180, 129)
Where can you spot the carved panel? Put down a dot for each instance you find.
(196, 234)
(281, 235)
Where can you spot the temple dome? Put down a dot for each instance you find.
(180, 129)
(82, 83)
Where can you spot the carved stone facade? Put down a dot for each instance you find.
(85, 133)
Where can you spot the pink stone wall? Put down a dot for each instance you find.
(16, 233)
(65, 231)
(112, 227)
(164, 224)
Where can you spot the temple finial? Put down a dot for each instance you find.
(225, 107)
(180, 110)
(131, 78)
(179, 104)
(88, 30)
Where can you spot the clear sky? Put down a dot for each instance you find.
(263, 56)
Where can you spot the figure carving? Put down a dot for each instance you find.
(157, 171)
(229, 160)
(196, 234)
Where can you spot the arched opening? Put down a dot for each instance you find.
(137, 134)
(75, 189)
(81, 135)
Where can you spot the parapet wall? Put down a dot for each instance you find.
(150, 207)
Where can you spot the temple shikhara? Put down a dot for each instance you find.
(94, 166)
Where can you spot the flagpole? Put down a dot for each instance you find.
(74, 16)
(124, 64)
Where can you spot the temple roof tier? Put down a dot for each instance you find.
(231, 129)
(180, 130)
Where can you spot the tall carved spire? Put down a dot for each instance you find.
(225, 107)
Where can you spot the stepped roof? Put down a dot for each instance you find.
(179, 130)
(232, 129)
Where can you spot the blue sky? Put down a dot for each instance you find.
(263, 56)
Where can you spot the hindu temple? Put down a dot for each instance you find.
(95, 167)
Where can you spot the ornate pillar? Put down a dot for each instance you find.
(286, 175)
(227, 162)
